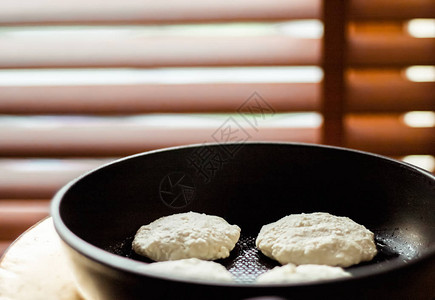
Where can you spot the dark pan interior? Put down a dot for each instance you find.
(251, 185)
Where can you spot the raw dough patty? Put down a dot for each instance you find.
(316, 238)
(191, 268)
(186, 235)
(303, 273)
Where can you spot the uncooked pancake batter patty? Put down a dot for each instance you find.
(291, 273)
(186, 235)
(191, 268)
(316, 238)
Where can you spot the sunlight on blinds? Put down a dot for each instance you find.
(420, 119)
(420, 73)
(421, 28)
(59, 77)
(426, 162)
(302, 29)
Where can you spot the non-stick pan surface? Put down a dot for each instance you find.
(250, 185)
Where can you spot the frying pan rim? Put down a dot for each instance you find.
(127, 265)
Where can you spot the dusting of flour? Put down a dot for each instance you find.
(316, 238)
(186, 235)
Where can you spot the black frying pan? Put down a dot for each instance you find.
(250, 185)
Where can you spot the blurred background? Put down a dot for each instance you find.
(85, 82)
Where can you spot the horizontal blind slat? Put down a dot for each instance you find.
(118, 138)
(381, 10)
(16, 216)
(152, 12)
(387, 44)
(388, 135)
(36, 179)
(387, 91)
(365, 49)
(161, 12)
(152, 98)
(367, 91)
(124, 50)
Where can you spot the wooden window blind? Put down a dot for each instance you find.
(85, 82)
